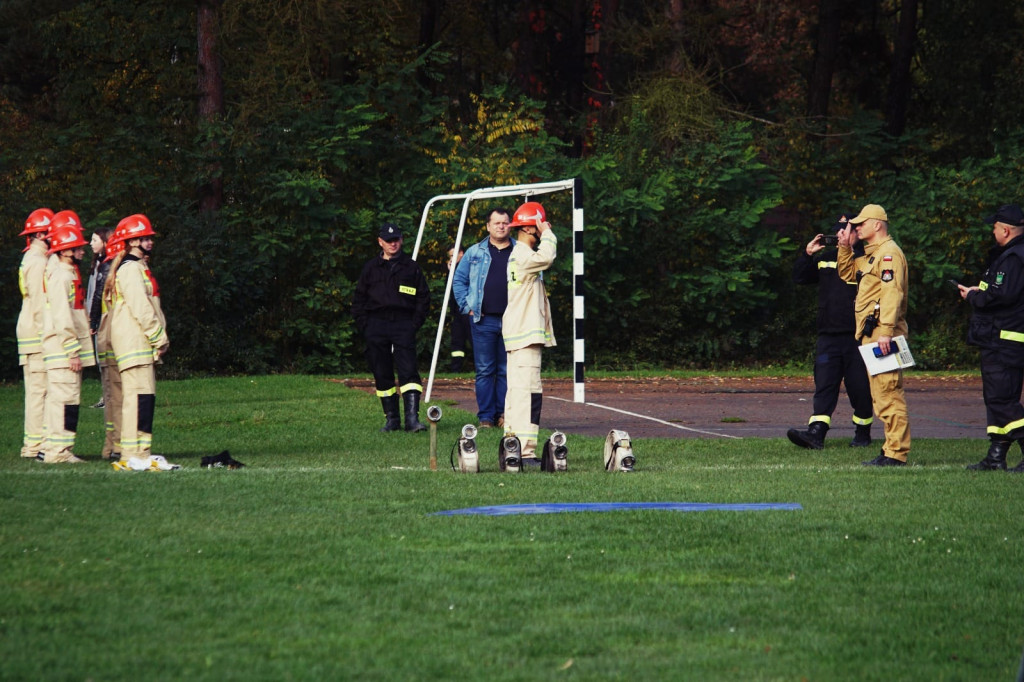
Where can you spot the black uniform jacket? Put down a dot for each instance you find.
(835, 296)
(391, 289)
(96, 309)
(998, 319)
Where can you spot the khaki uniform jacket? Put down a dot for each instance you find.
(882, 278)
(33, 299)
(137, 325)
(527, 319)
(66, 333)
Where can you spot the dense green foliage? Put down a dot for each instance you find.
(700, 178)
(322, 559)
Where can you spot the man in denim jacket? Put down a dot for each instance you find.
(481, 291)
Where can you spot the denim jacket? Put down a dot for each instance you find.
(470, 276)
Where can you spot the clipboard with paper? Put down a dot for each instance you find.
(899, 358)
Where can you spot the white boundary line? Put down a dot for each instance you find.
(653, 419)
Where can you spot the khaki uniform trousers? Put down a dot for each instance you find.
(35, 405)
(524, 396)
(138, 387)
(890, 405)
(63, 393)
(110, 380)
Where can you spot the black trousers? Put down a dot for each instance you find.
(461, 333)
(837, 360)
(1001, 385)
(391, 348)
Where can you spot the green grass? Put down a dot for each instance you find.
(321, 559)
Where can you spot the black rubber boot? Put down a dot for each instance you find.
(862, 436)
(412, 411)
(996, 457)
(812, 439)
(394, 419)
(1019, 469)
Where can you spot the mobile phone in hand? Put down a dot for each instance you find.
(956, 284)
(830, 240)
(878, 351)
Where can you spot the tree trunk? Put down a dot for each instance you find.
(819, 86)
(211, 96)
(899, 82)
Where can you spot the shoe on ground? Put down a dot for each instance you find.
(486, 424)
(100, 403)
(883, 461)
(66, 458)
(805, 439)
(531, 462)
(501, 420)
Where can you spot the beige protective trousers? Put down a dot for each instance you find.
(35, 405)
(524, 396)
(63, 391)
(890, 405)
(112, 410)
(138, 386)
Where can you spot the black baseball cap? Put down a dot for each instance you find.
(1009, 214)
(389, 231)
(842, 220)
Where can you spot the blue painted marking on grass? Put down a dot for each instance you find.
(556, 508)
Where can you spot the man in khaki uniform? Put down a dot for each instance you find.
(67, 340)
(881, 313)
(526, 325)
(30, 328)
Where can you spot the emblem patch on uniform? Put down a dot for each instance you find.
(886, 258)
(407, 290)
(886, 275)
(999, 278)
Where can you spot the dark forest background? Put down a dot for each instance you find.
(267, 141)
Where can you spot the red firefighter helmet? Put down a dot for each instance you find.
(65, 217)
(134, 227)
(65, 233)
(113, 247)
(38, 220)
(528, 215)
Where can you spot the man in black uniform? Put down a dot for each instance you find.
(837, 358)
(389, 306)
(997, 328)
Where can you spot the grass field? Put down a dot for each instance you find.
(322, 558)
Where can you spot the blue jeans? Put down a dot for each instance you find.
(490, 360)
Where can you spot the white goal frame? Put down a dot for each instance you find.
(575, 185)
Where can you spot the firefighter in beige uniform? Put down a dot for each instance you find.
(526, 325)
(30, 329)
(110, 377)
(881, 312)
(138, 337)
(67, 340)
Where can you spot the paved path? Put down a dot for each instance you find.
(717, 407)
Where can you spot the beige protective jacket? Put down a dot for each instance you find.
(527, 319)
(66, 333)
(882, 282)
(137, 325)
(33, 299)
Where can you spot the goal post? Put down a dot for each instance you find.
(573, 185)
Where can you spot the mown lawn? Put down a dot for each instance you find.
(323, 558)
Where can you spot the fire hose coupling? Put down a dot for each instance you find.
(556, 452)
(469, 456)
(510, 454)
(434, 413)
(618, 452)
